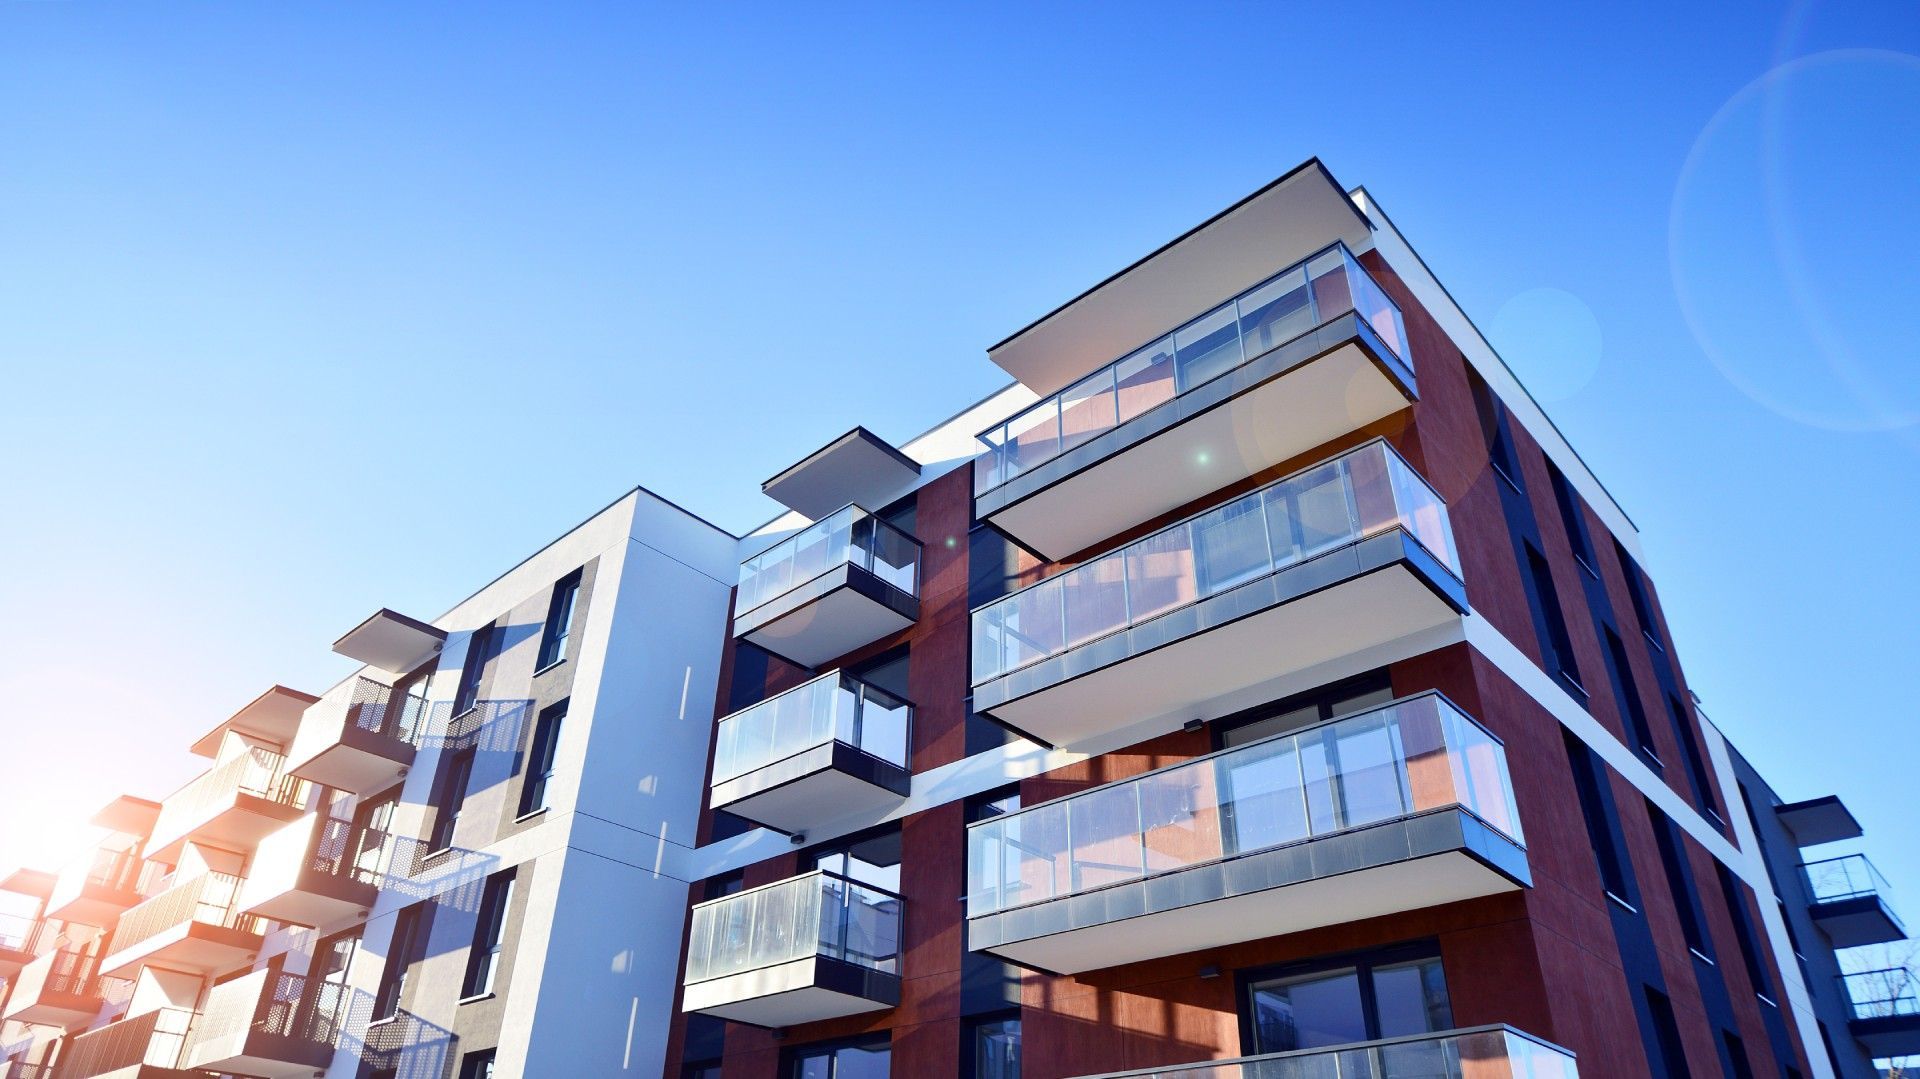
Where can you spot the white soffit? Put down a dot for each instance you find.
(273, 716)
(858, 467)
(391, 641)
(128, 815)
(1250, 241)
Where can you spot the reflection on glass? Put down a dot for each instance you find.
(1484, 1053)
(1272, 313)
(1358, 494)
(817, 913)
(849, 535)
(1408, 757)
(833, 707)
(1309, 1011)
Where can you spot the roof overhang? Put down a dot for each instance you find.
(34, 882)
(273, 716)
(859, 467)
(1818, 820)
(1248, 242)
(128, 815)
(391, 641)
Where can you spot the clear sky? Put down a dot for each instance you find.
(310, 309)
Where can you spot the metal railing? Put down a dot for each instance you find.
(207, 898)
(155, 1038)
(833, 707)
(1495, 1052)
(119, 870)
(257, 771)
(20, 1069)
(1408, 757)
(1883, 993)
(1331, 505)
(71, 972)
(814, 914)
(17, 931)
(381, 709)
(273, 1003)
(848, 535)
(1283, 308)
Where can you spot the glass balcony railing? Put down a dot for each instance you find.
(1883, 993)
(817, 914)
(1476, 1053)
(834, 707)
(1408, 757)
(850, 536)
(1850, 877)
(1331, 505)
(1280, 309)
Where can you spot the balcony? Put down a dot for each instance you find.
(194, 926)
(268, 1024)
(309, 873)
(839, 584)
(1191, 621)
(817, 946)
(94, 890)
(233, 805)
(146, 1046)
(1851, 902)
(360, 739)
(21, 938)
(832, 747)
(1312, 353)
(1396, 809)
(1818, 820)
(59, 989)
(1886, 1010)
(1492, 1052)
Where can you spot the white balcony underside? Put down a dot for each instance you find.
(231, 1056)
(192, 946)
(825, 618)
(779, 996)
(802, 791)
(359, 761)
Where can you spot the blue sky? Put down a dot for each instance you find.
(306, 310)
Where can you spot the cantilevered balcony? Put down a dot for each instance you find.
(1312, 353)
(310, 873)
(1396, 809)
(233, 805)
(59, 989)
(817, 946)
(194, 926)
(268, 1024)
(1851, 902)
(95, 889)
(1886, 1010)
(145, 1046)
(839, 584)
(1493, 1052)
(21, 938)
(359, 738)
(829, 748)
(1189, 622)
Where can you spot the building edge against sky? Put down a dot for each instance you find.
(1018, 702)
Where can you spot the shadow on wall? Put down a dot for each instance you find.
(493, 730)
(406, 1043)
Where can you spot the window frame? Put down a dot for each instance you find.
(489, 937)
(402, 948)
(542, 752)
(791, 1058)
(455, 779)
(1363, 963)
(558, 628)
(480, 648)
(972, 1025)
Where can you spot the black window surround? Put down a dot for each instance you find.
(559, 624)
(1363, 963)
(540, 757)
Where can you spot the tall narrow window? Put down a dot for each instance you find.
(1668, 1057)
(1637, 592)
(1631, 708)
(553, 638)
(479, 650)
(1569, 505)
(323, 1011)
(1738, 1066)
(993, 1048)
(402, 950)
(540, 757)
(1679, 883)
(1555, 642)
(483, 962)
(477, 1065)
(1731, 891)
(452, 796)
(1493, 426)
(1597, 808)
(1683, 730)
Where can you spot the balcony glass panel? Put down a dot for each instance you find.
(1485, 1053)
(849, 535)
(1405, 758)
(833, 707)
(1848, 877)
(1883, 993)
(1358, 494)
(816, 914)
(1284, 307)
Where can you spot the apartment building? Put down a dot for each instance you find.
(1258, 686)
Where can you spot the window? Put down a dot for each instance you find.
(993, 803)
(1631, 708)
(1493, 428)
(873, 858)
(993, 566)
(402, 951)
(701, 1069)
(1683, 731)
(372, 825)
(1637, 592)
(724, 885)
(868, 1058)
(483, 962)
(1571, 518)
(1549, 621)
(1388, 994)
(1668, 1058)
(1589, 777)
(452, 796)
(479, 650)
(993, 1048)
(324, 1011)
(553, 637)
(1731, 891)
(1307, 709)
(477, 1065)
(546, 741)
(1738, 1066)
(1679, 883)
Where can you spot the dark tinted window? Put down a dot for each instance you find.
(1388, 994)
(1624, 687)
(559, 625)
